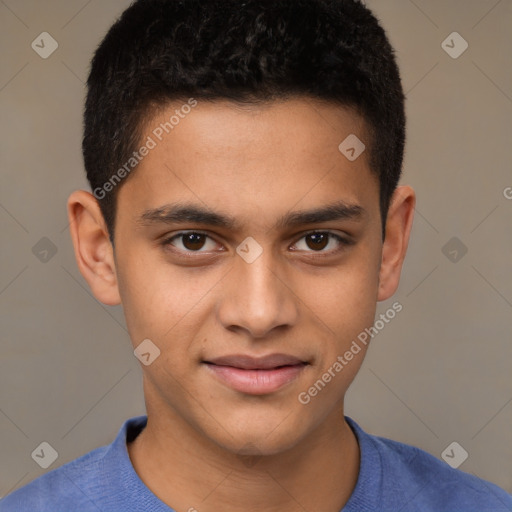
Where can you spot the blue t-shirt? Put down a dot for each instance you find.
(392, 477)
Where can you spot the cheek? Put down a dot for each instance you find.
(345, 298)
(161, 301)
(343, 308)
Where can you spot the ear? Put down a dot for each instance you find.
(93, 250)
(398, 229)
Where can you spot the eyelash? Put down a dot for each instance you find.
(344, 242)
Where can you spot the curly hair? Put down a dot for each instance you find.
(247, 51)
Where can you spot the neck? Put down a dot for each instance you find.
(188, 472)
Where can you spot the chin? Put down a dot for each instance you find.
(260, 439)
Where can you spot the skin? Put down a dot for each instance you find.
(207, 446)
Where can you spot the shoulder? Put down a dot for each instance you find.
(65, 488)
(436, 483)
(413, 479)
(87, 483)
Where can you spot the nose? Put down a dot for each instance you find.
(257, 299)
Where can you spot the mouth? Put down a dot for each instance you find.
(256, 375)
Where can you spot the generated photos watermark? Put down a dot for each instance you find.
(151, 142)
(355, 348)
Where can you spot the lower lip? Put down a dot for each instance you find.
(256, 382)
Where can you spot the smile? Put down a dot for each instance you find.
(256, 376)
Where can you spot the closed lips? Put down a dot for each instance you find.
(245, 362)
(256, 375)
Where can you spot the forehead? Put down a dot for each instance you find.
(251, 160)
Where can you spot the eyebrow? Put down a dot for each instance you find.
(190, 213)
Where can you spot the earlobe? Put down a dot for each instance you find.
(93, 250)
(394, 248)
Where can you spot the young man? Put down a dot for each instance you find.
(244, 160)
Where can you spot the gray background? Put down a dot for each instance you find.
(439, 372)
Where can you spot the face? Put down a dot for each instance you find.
(248, 249)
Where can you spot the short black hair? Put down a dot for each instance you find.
(247, 51)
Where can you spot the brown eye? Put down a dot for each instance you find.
(323, 242)
(317, 241)
(193, 241)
